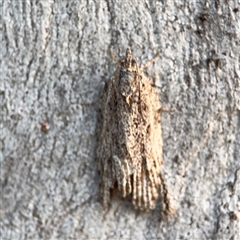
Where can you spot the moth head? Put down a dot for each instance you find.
(129, 62)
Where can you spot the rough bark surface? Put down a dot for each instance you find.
(55, 61)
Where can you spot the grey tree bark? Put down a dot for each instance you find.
(54, 64)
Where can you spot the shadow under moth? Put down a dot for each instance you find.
(129, 148)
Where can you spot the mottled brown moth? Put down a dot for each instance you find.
(129, 148)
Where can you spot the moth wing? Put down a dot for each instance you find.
(147, 177)
(104, 139)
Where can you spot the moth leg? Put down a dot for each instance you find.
(166, 109)
(113, 56)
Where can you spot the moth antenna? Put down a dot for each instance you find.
(146, 64)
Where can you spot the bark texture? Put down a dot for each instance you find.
(54, 64)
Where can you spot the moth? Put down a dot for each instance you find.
(129, 136)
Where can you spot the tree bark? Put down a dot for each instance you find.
(55, 61)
